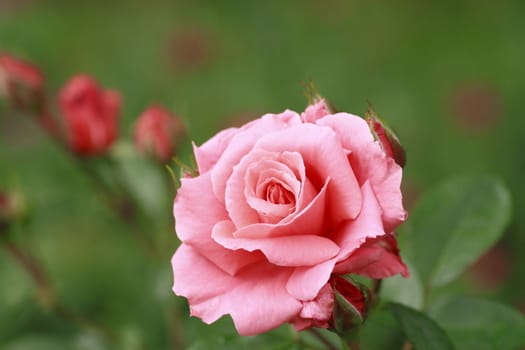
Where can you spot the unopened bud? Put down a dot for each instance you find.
(22, 83)
(352, 301)
(386, 137)
(157, 133)
(318, 106)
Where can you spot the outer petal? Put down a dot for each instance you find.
(305, 282)
(256, 298)
(242, 142)
(367, 225)
(196, 211)
(295, 250)
(370, 163)
(330, 160)
(209, 152)
(377, 258)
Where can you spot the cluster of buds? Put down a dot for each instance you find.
(88, 121)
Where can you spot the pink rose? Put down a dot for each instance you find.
(90, 115)
(279, 205)
(157, 131)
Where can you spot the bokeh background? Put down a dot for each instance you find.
(449, 76)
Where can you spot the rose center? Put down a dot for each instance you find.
(277, 194)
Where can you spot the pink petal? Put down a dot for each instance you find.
(377, 258)
(241, 188)
(314, 112)
(368, 224)
(305, 282)
(196, 211)
(370, 163)
(295, 250)
(209, 152)
(310, 220)
(316, 312)
(328, 160)
(256, 298)
(242, 142)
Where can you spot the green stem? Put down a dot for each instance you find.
(45, 292)
(322, 338)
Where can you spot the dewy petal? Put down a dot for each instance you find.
(367, 225)
(328, 160)
(209, 152)
(295, 250)
(242, 142)
(370, 163)
(196, 214)
(377, 258)
(256, 298)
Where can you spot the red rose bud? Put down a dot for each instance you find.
(386, 137)
(90, 115)
(352, 301)
(21, 82)
(156, 133)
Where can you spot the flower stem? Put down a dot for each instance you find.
(322, 339)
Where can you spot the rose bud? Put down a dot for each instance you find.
(21, 82)
(386, 137)
(90, 115)
(156, 133)
(352, 301)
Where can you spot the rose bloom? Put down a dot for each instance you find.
(90, 115)
(279, 206)
(156, 133)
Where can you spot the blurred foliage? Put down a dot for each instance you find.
(447, 75)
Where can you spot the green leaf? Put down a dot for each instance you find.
(454, 224)
(406, 291)
(421, 331)
(475, 323)
(381, 331)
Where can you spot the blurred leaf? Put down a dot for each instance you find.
(454, 223)
(381, 331)
(421, 331)
(143, 178)
(475, 323)
(406, 291)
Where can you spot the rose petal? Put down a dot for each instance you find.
(242, 142)
(256, 298)
(376, 258)
(195, 217)
(315, 112)
(367, 225)
(317, 312)
(370, 163)
(240, 197)
(330, 160)
(309, 220)
(296, 250)
(305, 282)
(209, 152)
